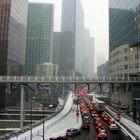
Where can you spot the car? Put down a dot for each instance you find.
(86, 125)
(104, 114)
(99, 126)
(85, 113)
(97, 118)
(97, 121)
(106, 118)
(86, 118)
(111, 121)
(72, 132)
(113, 127)
(102, 135)
(59, 138)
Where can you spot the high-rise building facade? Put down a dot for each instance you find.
(79, 37)
(124, 49)
(56, 47)
(72, 29)
(13, 21)
(39, 35)
(125, 61)
(124, 23)
(124, 30)
(88, 57)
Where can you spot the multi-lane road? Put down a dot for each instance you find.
(92, 135)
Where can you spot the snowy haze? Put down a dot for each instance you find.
(96, 20)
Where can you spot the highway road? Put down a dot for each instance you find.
(91, 134)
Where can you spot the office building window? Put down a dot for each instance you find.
(125, 67)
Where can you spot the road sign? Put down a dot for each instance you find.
(77, 113)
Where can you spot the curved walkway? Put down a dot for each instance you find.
(55, 126)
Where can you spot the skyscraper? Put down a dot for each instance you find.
(89, 54)
(13, 21)
(123, 23)
(124, 37)
(56, 47)
(39, 35)
(72, 29)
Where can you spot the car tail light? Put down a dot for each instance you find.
(83, 125)
(88, 124)
(105, 135)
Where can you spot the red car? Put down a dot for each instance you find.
(106, 118)
(97, 118)
(111, 121)
(102, 135)
(86, 125)
(99, 126)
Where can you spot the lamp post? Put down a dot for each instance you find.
(31, 121)
(31, 118)
(43, 123)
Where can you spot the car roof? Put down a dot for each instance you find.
(72, 129)
(113, 124)
(102, 131)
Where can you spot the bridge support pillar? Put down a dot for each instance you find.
(134, 110)
(36, 89)
(75, 85)
(111, 91)
(127, 87)
(22, 107)
(88, 85)
(100, 86)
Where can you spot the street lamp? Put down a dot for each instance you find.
(31, 121)
(43, 122)
(31, 118)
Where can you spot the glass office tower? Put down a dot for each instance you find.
(124, 30)
(13, 21)
(72, 38)
(39, 35)
(124, 23)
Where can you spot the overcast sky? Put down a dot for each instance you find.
(96, 20)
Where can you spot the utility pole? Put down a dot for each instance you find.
(43, 123)
(31, 121)
(22, 107)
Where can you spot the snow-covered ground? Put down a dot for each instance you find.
(55, 126)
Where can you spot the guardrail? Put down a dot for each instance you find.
(122, 125)
(41, 79)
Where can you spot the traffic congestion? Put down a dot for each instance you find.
(97, 124)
